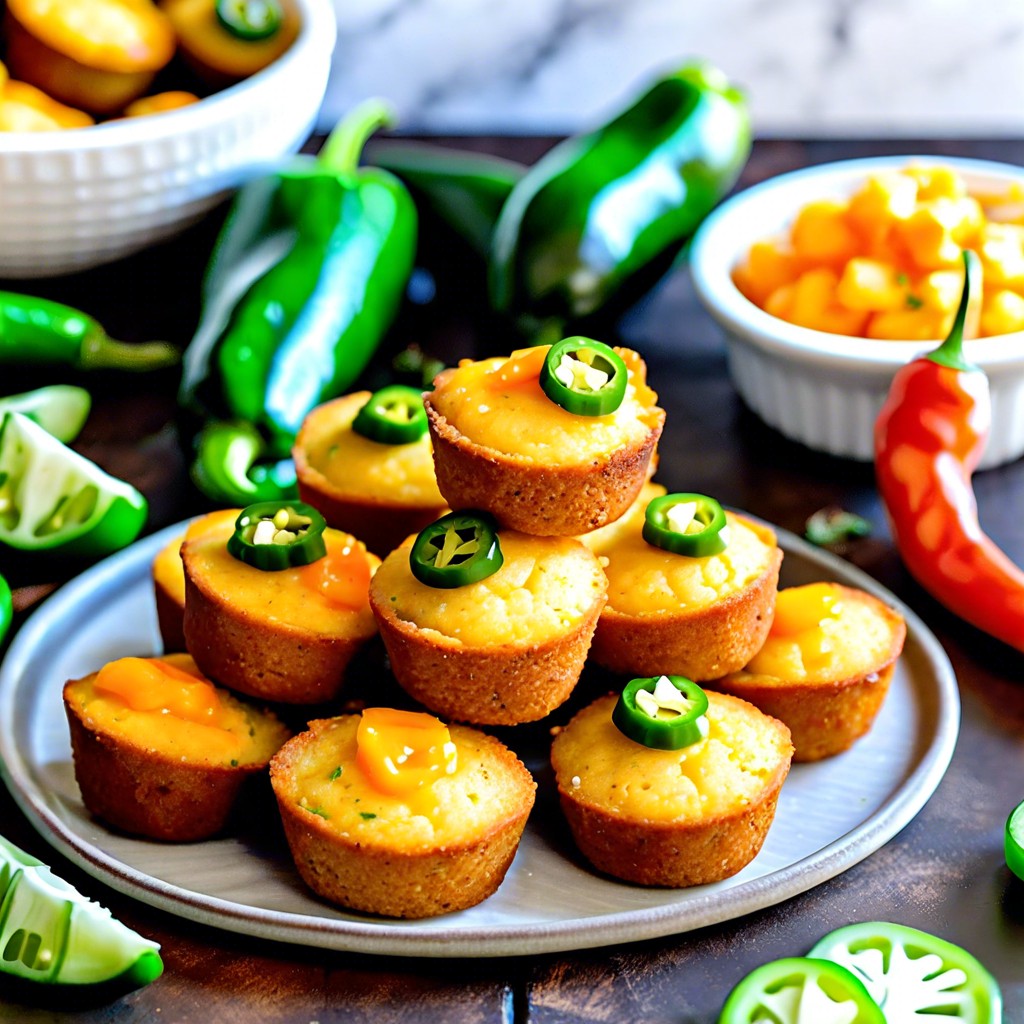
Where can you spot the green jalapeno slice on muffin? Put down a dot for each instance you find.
(584, 377)
(458, 549)
(272, 536)
(662, 712)
(686, 524)
(392, 415)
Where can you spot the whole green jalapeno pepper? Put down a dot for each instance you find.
(597, 220)
(304, 281)
(40, 332)
(51, 934)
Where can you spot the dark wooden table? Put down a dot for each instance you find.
(944, 872)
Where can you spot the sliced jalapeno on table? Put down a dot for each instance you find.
(53, 498)
(662, 712)
(393, 415)
(584, 377)
(1014, 841)
(686, 524)
(801, 990)
(913, 975)
(250, 20)
(458, 549)
(60, 409)
(49, 931)
(271, 535)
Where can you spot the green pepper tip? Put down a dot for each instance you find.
(344, 146)
(101, 352)
(951, 352)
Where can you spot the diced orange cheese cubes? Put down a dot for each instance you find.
(822, 233)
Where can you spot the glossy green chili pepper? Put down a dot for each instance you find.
(913, 975)
(392, 415)
(801, 990)
(686, 524)
(250, 20)
(465, 190)
(272, 536)
(60, 409)
(584, 377)
(50, 933)
(597, 220)
(458, 549)
(40, 332)
(1014, 841)
(671, 712)
(305, 279)
(6, 608)
(53, 499)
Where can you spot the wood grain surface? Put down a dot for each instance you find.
(944, 872)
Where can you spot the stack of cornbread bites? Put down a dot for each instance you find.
(504, 533)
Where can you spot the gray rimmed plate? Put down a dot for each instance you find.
(550, 900)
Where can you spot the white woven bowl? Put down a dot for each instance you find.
(70, 200)
(825, 390)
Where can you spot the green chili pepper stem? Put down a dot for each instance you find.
(344, 146)
(951, 352)
(225, 466)
(101, 352)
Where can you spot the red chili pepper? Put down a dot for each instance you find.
(929, 438)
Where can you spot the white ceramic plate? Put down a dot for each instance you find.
(830, 815)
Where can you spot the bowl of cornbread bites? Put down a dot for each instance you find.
(403, 788)
(826, 280)
(121, 127)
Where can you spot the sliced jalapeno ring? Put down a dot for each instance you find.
(685, 524)
(392, 415)
(250, 20)
(1014, 841)
(584, 377)
(662, 712)
(456, 550)
(274, 535)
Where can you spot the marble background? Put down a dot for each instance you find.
(813, 68)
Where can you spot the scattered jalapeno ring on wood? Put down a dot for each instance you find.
(662, 719)
(695, 530)
(584, 377)
(1014, 841)
(274, 535)
(797, 989)
(912, 974)
(250, 20)
(393, 415)
(458, 549)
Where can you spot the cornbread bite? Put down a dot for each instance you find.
(278, 633)
(169, 580)
(159, 751)
(825, 666)
(394, 813)
(699, 615)
(502, 444)
(671, 817)
(500, 649)
(377, 489)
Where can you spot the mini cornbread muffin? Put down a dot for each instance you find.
(504, 640)
(663, 815)
(169, 579)
(379, 489)
(541, 457)
(698, 615)
(160, 751)
(279, 620)
(393, 813)
(825, 667)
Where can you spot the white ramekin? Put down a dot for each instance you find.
(825, 390)
(70, 200)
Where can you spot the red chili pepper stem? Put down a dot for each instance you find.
(951, 352)
(344, 146)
